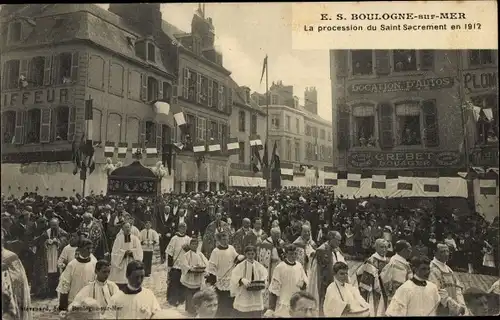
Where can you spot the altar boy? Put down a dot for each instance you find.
(149, 239)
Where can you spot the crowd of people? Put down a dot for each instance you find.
(254, 252)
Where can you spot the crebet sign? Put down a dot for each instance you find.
(404, 159)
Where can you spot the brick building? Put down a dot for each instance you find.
(399, 109)
(68, 53)
(303, 138)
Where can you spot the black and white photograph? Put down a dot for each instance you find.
(193, 160)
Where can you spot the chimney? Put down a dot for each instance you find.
(311, 100)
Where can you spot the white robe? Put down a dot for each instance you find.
(142, 305)
(133, 230)
(175, 249)
(221, 264)
(244, 300)
(339, 295)
(76, 276)
(67, 254)
(150, 239)
(284, 283)
(118, 260)
(411, 300)
(99, 291)
(187, 261)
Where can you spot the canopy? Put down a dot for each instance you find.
(133, 180)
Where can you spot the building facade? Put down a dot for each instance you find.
(56, 56)
(247, 120)
(205, 95)
(401, 109)
(302, 137)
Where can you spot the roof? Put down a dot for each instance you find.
(84, 21)
(238, 97)
(172, 31)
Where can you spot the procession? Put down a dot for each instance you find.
(152, 170)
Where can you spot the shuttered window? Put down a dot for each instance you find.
(19, 130)
(33, 125)
(426, 59)
(382, 62)
(144, 87)
(341, 63)
(8, 126)
(45, 125)
(386, 125)
(431, 131)
(72, 124)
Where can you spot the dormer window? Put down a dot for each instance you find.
(151, 52)
(140, 49)
(197, 45)
(15, 32)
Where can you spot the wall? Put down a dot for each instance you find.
(58, 179)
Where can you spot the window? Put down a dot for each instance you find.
(309, 151)
(329, 136)
(480, 57)
(8, 126)
(61, 123)
(66, 68)
(197, 45)
(487, 130)
(166, 91)
(152, 89)
(253, 124)
(190, 186)
(204, 91)
(191, 121)
(151, 52)
(241, 121)
(12, 68)
(405, 60)
(222, 97)
(274, 99)
(288, 123)
(223, 133)
(140, 49)
(241, 155)
(364, 126)
(37, 71)
(314, 132)
(322, 134)
(362, 62)
(297, 125)
(33, 132)
(408, 124)
(201, 129)
(15, 32)
(214, 130)
(289, 150)
(275, 122)
(150, 132)
(321, 155)
(308, 130)
(215, 94)
(297, 151)
(192, 85)
(116, 78)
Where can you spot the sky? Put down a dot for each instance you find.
(246, 32)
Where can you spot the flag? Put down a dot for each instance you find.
(151, 150)
(178, 145)
(233, 146)
(255, 141)
(136, 148)
(286, 171)
(122, 149)
(167, 157)
(77, 154)
(214, 145)
(199, 147)
(264, 67)
(88, 148)
(256, 160)
(109, 149)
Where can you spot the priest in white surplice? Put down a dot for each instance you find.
(55, 240)
(417, 297)
(177, 246)
(248, 303)
(342, 299)
(126, 248)
(78, 273)
(288, 278)
(134, 301)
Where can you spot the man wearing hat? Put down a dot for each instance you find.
(480, 303)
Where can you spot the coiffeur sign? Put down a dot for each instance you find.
(404, 159)
(402, 85)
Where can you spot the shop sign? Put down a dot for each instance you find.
(34, 97)
(402, 85)
(486, 156)
(404, 159)
(477, 80)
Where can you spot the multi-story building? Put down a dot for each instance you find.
(302, 137)
(56, 56)
(248, 120)
(401, 109)
(206, 96)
